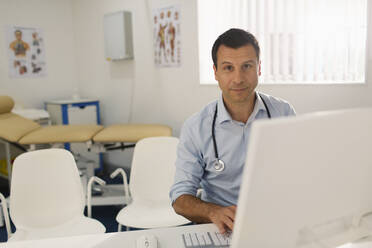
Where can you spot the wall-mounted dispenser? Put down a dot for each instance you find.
(118, 35)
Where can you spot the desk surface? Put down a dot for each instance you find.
(167, 238)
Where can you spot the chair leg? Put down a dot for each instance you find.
(8, 162)
(119, 227)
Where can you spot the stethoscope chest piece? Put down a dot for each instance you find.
(219, 165)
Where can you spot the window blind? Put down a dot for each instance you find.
(302, 41)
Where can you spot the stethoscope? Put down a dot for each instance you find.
(219, 165)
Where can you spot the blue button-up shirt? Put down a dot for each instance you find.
(196, 157)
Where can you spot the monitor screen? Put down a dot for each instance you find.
(306, 181)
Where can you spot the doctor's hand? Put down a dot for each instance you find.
(223, 217)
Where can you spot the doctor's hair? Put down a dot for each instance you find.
(235, 38)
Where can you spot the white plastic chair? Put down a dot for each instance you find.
(47, 198)
(152, 175)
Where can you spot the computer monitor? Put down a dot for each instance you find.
(306, 180)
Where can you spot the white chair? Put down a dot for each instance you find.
(152, 174)
(46, 197)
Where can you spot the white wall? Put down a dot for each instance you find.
(55, 18)
(165, 95)
(111, 82)
(170, 95)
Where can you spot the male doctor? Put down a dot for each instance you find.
(213, 142)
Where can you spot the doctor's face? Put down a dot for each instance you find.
(237, 73)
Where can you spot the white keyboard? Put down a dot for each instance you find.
(206, 240)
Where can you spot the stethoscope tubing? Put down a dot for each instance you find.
(219, 165)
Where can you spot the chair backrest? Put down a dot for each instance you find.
(153, 169)
(46, 189)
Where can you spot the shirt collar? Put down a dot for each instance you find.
(223, 115)
(258, 106)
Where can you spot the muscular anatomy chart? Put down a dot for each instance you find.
(167, 41)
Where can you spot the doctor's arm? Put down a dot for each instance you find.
(189, 171)
(199, 211)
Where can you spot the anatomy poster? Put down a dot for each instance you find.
(167, 40)
(26, 52)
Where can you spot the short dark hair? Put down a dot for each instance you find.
(235, 38)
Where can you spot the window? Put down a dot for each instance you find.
(302, 41)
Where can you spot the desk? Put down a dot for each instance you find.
(167, 237)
